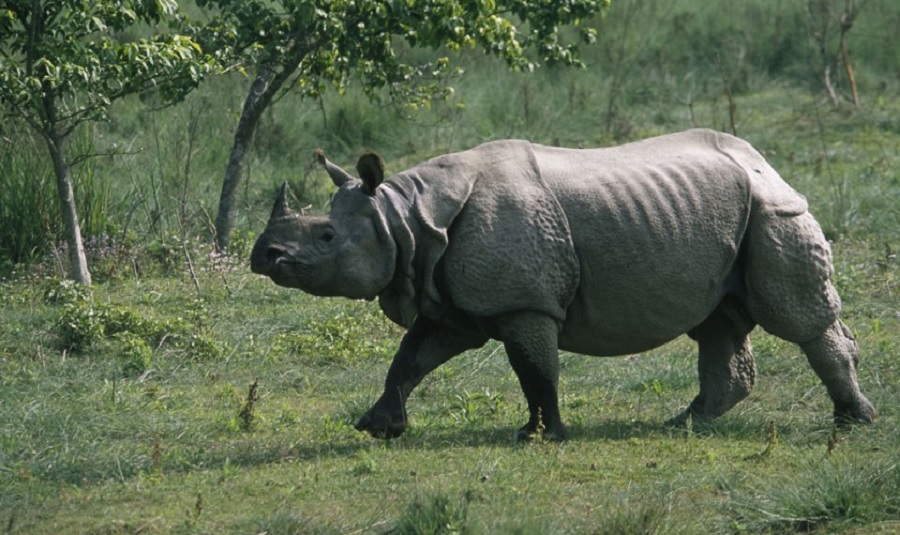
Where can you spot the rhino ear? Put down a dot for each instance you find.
(338, 175)
(371, 170)
(281, 207)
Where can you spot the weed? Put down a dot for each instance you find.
(333, 427)
(83, 322)
(80, 325)
(474, 407)
(340, 339)
(434, 514)
(284, 522)
(201, 347)
(365, 465)
(828, 495)
(833, 441)
(134, 353)
(771, 439)
(537, 436)
(246, 416)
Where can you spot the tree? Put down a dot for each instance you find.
(63, 63)
(824, 21)
(307, 44)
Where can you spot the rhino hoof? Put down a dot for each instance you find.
(680, 421)
(527, 434)
(861, 412)
(380, 425)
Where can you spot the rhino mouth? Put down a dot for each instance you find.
(283, 269)
(264, 262)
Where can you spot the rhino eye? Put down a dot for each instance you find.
(327, 236)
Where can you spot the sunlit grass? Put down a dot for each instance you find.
(139, 427)
(87, 447)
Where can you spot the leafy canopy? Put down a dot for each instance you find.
(80, 53)
(334, 38)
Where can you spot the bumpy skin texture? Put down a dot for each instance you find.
(600, 252)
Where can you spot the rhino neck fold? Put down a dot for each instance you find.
(400, 299)
(418, 219)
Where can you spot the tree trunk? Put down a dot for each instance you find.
(57, 145)
(268, 81)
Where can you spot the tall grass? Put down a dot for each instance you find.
(29, 210)
(30, 224)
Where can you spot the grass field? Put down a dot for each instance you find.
(129, 408)
(125, 409)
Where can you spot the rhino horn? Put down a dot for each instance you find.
(371, 169)
(281, 208)
(338, 175)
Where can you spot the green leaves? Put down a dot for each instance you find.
(84, 55)
(368, 40)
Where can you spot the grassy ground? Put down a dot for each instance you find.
(128, 409)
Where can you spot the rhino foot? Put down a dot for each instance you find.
(695, 412)
(528, 432)
(679, 420)
(859, 412)
(381, 424)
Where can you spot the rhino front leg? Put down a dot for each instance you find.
(531, 341)
(425, 346)
(834, 356)
(725, 362)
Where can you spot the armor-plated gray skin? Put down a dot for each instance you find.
(600, 252)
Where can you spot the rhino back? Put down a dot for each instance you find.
(657, 227)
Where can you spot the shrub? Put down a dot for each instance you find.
(433, 515)
(135, 354)
(828, 495)
(84, 322)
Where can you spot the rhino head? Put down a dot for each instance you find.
(347, 253)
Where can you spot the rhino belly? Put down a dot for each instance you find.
(638, 293)
(621, 323)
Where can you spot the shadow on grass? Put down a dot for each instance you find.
(254, 450)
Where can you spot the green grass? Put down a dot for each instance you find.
(125, 410)
(89, 445)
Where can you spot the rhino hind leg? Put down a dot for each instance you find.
(790, 295)
(531, 341)
(725, 362)
(834, 356)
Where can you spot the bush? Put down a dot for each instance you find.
(83, 323)
(830, 494)
(433, 515)
(135, 354)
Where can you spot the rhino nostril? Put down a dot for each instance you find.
(273, 254)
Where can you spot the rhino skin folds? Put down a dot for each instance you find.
(603, 252)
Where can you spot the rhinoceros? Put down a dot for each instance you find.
(603, 252)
